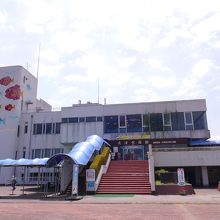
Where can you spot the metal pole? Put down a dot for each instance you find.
(24, 178)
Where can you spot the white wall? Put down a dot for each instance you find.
(209, 157)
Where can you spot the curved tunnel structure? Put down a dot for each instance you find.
(80, 154)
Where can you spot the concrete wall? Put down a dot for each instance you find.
(17, 93)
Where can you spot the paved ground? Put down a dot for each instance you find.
(204, 205)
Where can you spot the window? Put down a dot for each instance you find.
(18, 130)
(82, 119)
(122, 124)
(156, 122)
(146, 123)
(58, 150)
(122, 121)
(26, 128)
(99, 118)
(188, 121)
(167, 122)
(57, 130)
(111, 124)
(199, 120)
(38, 128)
(134, 123)
(48, 128)
(64, 120)
(37, 153)
(73, 120)
(47, 152)
(177, 119)
(24, 154)
(91, 119)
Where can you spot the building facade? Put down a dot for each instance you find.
(31, 130)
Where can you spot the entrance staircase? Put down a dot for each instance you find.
(126, 177)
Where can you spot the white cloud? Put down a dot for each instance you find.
(206, 29)
(50, 71)
(49, 55)
(160, 82)
(68, 90)
(68, 41)
(3, 19)
(191, 85)
(201, 68)
(145, 95)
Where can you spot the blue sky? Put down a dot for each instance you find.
(139, 50)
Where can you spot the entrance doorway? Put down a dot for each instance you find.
(132, 153)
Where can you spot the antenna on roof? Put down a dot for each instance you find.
(98, 90)
(38, 62)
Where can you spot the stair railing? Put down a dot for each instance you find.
(102, 171)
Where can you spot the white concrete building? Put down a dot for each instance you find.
(29, 129)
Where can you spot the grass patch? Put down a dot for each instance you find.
(114, 195)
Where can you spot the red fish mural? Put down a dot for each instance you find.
(9, 107)
(13, 92)
(6, 80)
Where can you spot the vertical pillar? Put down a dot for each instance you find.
(198, 176)
(75, 179)
(205, 178)
(151, 167)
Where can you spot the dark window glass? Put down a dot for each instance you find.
(199, 119)
(54, 127)
(188, 117)
(189, 127)
(146, 123)
(47, 152)
(57, 128)
(48, 128)
(177, 119)
(73, 120)
(24, 154)
(32, 154)
(25, 129)
(91, 119)
(37, 153)
(122, 130)
(111, 124)
(64, 120)
(134, 123)
(99, 118)
(44, 128)
(35, 129)
(81, 119)
(18, 130)
(57, 150)
(167, 119)
(39, 128)
(122, 120)
(156, 122)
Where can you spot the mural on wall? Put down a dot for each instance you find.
(6, 80)
(28, 87)
(11, 90)
(2, 121)
(9, 107)
(14, 92)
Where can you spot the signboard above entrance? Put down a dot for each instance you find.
(130, 142)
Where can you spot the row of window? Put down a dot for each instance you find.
(46, 128)
(82, 119)
(47, 152)
(173, 121)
